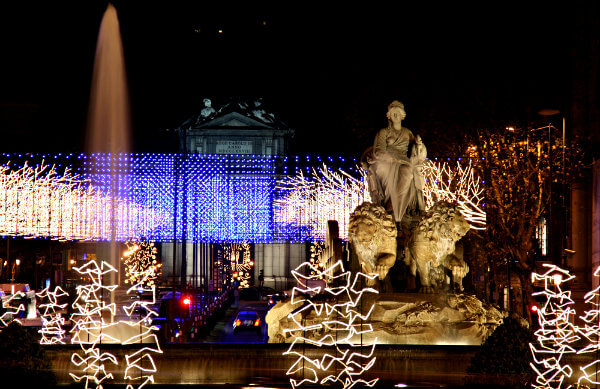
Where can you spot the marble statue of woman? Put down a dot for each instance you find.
(396, 166)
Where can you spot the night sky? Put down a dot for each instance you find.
(327, 71)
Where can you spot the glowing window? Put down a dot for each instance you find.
(541, 233)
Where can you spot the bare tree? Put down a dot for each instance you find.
(522, 171)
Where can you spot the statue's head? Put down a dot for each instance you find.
(395, 103)
(396, 111)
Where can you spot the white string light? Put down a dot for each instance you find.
(10, 311)
(327, 195)
(37, 202)
(460, 186)
(52, 320)
(310, 202)
(141, 263)
(591, 332)
(348, 365)
(90, 326)
(556, 332)
(240, 269)
(141, 360)
(316, 252)
(94, 366)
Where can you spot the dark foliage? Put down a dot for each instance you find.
(506, 351)
(23, 361)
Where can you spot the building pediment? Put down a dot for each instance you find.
(238, 127)
(232, 120)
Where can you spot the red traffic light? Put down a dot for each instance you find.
(187, 300)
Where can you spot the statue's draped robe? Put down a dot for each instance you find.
(399, 175)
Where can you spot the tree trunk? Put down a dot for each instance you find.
(527, 295)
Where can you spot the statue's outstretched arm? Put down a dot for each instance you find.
(421, 150)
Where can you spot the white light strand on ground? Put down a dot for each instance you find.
(90, 325)
(460, 186)
(141, 360)
(10, 311)
(327, 195)
(52, 320)
(141, 263)
(37, 202)
(591, 333)
(556, 332)
(343, 318)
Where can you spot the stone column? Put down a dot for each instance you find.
(580, 261)
(595, 235)
(268, 262)
(258, 261)
(170, 265)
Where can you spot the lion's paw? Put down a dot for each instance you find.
(382, 271)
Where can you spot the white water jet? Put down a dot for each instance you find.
(109, 120)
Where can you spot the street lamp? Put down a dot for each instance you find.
(15, 268)
(551, 112)
(547, 114)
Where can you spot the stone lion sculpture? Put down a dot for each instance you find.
(372, 235)
(431, 247)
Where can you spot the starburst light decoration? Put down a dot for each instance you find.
(52, 320)
(339, 321)
(11, 311)
(556, 333)
(91, 324)
(591, 333)
(141, 263)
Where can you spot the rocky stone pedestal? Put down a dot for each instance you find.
(405, 318)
